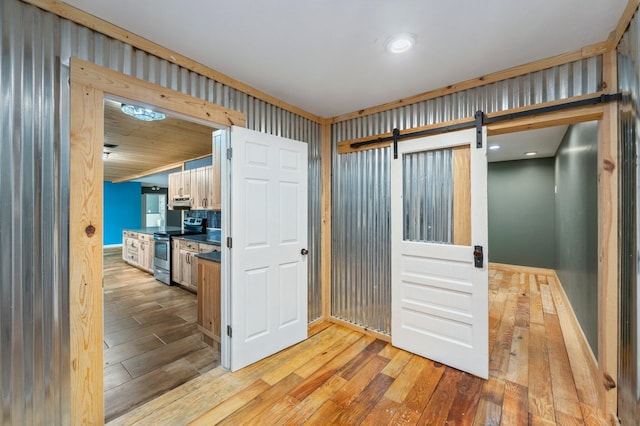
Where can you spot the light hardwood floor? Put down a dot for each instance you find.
(341, 376)
(151, 343)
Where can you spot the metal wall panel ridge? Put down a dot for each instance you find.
(361, 278)
(34, 348)
(629, 338)
(428, 196)
(34, 193)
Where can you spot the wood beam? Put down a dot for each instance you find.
(128, 87)
(625, 19)
(160, 169)
(586, 52)
(563, 117)
(608, 262)
(325, 226)
(539, 121)
(82, 18)
(344, 147)
(364, 330)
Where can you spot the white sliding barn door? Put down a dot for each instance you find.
(438, 217)
(269, 243)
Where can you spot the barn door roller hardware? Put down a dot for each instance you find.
(481, 120)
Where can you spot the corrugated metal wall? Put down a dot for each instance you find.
(629, 109)
(34, 362)
(361, 277)
(428, 196)
(34, 193)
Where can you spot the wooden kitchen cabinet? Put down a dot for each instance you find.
(145, 255)
(175, 185)
(201, 188)
(209, 305)
(176, 264)
(188, 275)
(179, 186)
(201, 184)
(138, 250)
(130, 247)
(124, 245)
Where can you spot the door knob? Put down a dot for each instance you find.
(304, 252)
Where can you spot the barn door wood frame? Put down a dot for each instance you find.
(480, 119)
(88, 85)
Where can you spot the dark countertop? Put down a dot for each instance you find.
(213, 256)
(152, 229)
(201, 238)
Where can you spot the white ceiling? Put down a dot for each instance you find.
(328, 57)
(513, 146)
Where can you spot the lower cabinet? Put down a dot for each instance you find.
(209, 303)
(176, 263)
(186, 272)
(188, 269)
(137, 249)
(184, 267)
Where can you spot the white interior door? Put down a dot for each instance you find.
(438, 216)
(269, 239)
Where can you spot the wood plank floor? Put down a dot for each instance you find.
(151, 343)
(341, 376)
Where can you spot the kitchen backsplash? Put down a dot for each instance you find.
(213, 217)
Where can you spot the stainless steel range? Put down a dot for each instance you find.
(162, 246)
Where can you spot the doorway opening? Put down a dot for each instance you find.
(543, 210)
(153, 337)
(90, 84)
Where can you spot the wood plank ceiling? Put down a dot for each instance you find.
(143, 146)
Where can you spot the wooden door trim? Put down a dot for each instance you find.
(88, 85)
(571, 115)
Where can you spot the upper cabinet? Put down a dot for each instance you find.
(179, 185)
(202, 185)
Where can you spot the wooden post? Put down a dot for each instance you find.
(325, 227)
(608, 279)
(85, 254)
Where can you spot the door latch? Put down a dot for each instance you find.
(478, 256)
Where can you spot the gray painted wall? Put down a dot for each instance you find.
(577, 224)
(521, 212)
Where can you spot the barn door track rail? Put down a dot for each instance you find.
(481, 119)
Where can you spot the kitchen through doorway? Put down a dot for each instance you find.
(152, 341)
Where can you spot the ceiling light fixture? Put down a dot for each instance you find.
(105, 155)
(492, 147)
(142, 113)
(400, 43)
(530, 153)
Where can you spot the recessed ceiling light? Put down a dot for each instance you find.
(401, 43)
(530, 153)
(494, 147)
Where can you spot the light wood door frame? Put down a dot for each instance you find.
(88, 85)
(604, 368)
